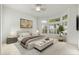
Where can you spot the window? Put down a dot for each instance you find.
(44, 29)
(51, 27)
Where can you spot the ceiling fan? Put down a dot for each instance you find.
(39, 7)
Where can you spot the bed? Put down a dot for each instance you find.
(27, 41)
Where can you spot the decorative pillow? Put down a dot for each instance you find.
(20, 38)
(23, 35)
(35, 34)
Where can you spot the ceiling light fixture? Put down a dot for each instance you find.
(39, 7)
(43, 21)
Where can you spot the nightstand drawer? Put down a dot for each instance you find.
(11, 40)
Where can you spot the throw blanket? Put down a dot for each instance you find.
(27, 39)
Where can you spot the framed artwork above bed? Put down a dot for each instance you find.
(25, 23)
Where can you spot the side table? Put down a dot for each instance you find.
(11, 40)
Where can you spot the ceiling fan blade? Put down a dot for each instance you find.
(43, 9)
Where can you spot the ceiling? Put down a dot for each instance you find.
(51, 9)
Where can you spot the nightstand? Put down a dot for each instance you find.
(11, 39)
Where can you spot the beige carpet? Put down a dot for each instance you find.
(59, 48)
(9, 49)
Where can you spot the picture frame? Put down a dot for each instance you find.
(25, 23)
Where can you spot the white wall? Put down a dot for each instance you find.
(0, 29)
(11, 20)
(73, 34)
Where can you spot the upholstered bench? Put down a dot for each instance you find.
(43, 44)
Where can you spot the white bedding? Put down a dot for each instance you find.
(23, 35)
(32, 42)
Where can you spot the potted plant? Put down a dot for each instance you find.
(60, 31)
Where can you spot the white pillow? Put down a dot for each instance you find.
(25, 35)
(20, 38)
(35, 34)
